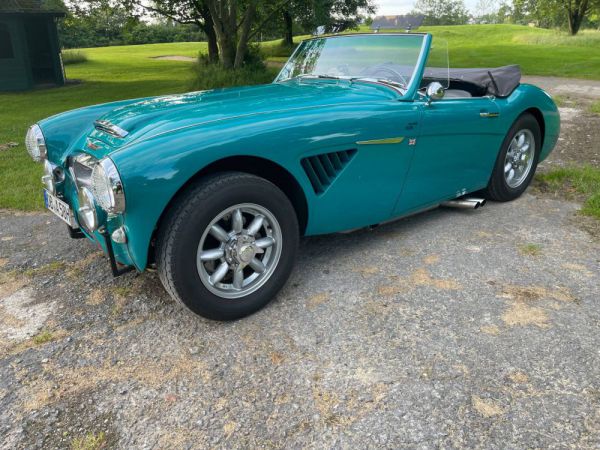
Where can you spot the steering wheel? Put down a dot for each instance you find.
(342, 69)
(388, 69)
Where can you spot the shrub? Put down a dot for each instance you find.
(211, 76)
(276, 49)
(73, 57)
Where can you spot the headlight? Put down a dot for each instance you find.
(107, 187)
(35, 143)
(87, 209)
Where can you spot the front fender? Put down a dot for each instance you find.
(154, 171)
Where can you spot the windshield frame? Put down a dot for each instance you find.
(417, 75)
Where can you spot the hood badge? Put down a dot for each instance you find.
(113, 130)
(92, 146)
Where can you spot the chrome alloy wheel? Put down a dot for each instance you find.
(236, 263)
(519, 158)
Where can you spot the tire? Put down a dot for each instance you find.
(501, 187)
(190, 234)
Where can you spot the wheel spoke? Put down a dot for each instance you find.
(237, 221)
(211, 255)
(256, 225)
(521, 140)
(507, 167)
(238, 278)
(511, 175)
(220, 273)
(219, 233)
(525, 147)
(265, 242)
(257, 265)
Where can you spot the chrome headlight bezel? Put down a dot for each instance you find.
(36, 143)
(87, 209)
(107, 187)
(48, 177)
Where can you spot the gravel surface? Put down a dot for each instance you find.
(449, 329)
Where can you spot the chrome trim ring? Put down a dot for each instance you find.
(235, 263)
(519, 158)
(107, 187)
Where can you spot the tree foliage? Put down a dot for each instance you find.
(230, 25)
(442, 12)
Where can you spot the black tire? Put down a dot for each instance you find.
(498, 188)
(180, 234)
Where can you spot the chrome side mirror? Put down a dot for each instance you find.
(435, 91)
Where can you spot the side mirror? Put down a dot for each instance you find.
(435, 91)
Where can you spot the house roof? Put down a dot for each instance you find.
(26, 7)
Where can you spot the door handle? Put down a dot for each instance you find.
(489, 115)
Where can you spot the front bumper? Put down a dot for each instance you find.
(118, 253)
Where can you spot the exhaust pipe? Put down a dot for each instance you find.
(465, 203)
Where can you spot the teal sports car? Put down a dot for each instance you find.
(215, 188)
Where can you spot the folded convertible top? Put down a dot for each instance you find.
(500, 81)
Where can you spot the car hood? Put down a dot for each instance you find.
(158, 115)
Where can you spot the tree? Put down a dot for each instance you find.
(576, 11)
(485, 10)
(194, 12)
(442, 12)
(310, 14)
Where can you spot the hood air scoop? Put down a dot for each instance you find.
(113, 130)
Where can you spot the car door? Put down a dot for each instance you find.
(454, 152)
(365, 188)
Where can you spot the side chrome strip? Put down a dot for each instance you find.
(388, 141)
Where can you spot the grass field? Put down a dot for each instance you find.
(582, 182)
(114, 73)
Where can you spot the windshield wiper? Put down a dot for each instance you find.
(318, 76)
(383, 81)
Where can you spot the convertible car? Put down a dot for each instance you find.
(215, 188)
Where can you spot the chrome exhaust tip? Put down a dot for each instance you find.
(465, 203)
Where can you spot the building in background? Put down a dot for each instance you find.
(408, 22)
(29, 48)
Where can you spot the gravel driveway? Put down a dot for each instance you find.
(449, 329)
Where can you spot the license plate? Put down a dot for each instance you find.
(58, 207)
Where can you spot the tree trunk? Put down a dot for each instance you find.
(288, 37)
(226, 51)
(576, 14)
(221, 14)
(208, 27)
(213, 46)
(242, 45)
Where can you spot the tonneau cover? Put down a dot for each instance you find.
(500, 81)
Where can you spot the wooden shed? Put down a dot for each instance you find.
(29, 48)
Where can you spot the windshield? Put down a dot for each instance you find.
(390, 58)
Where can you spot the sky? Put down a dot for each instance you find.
(394, 7)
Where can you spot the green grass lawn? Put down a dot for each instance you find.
(583, 182)
(114, 73)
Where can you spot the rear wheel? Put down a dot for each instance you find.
(517, 161)
(228, 245)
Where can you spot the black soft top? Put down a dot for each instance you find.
(499, 81)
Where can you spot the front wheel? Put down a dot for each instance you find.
(517, 160)
(228, 245)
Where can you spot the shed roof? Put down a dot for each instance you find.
(26, 7)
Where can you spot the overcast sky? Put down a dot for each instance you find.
(393, 7)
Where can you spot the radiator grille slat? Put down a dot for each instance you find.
(322, 170)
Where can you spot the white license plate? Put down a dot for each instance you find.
(58, 207)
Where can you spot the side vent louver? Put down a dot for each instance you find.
(323, 169)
